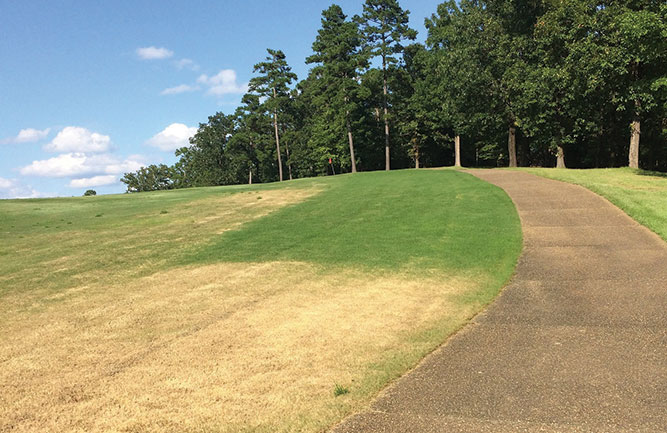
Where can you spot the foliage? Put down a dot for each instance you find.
(273, 85)
(384, 25)
(334, 91)
(340, 390)
(89, 192)
(150, 178)
(564, 77)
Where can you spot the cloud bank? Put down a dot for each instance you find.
(223, 83)
(77, 139)
(80, 164)
(28, 135)
(11, 188)
(89, 182)
(31, 135)
(172, 137)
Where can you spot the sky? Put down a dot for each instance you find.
(90, 90)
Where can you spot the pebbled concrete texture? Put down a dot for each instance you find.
(577, 342)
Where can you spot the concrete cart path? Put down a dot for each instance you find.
(576, 343)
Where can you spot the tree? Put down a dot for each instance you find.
(636, 42)
(337, 51)
(385, 25)
(89, 192)
(460, 42)
(273, 84)
(253, 136)
(421, 128)
(207, 161)
(568, 82)
(150, 178)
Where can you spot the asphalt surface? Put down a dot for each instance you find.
(577, 342)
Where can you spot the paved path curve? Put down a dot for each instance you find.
(576, 343)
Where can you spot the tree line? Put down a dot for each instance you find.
(567, 83)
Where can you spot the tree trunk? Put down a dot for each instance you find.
(280, 161)
(275, 127)
(250, 177)
(633, 155)
(560, 158)
(386, 113)
(633, 158)
(416, 156)
(457, 151)
(511, 145)
(351, 141)
(289, 163)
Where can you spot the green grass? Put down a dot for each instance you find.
(641, 194)
(408, 221)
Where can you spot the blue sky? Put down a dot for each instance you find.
(91, 89)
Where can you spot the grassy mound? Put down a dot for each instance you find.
(239, 308)
(416, 222)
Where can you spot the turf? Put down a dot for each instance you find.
(641, 194)
(239, 308)
(407, 221)
(48, 245)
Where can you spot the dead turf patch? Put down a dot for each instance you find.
(226, 347)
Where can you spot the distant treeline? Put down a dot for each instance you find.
(571, 83)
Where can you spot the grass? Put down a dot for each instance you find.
(340, 390)
(228, 313)
(641, 194)
(411, 221)
(49, 245)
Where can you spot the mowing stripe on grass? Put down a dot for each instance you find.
(415, 221)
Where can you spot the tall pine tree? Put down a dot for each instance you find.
(337, 51)
(385, 25)
(273, 84)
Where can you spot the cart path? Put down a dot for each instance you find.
(577, 342)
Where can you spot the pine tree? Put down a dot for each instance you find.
(385, 25)
(337, 51)
(273, 84)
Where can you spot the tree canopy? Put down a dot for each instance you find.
(576, 83)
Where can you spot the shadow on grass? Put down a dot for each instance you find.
(650, 173)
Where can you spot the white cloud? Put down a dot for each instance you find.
(11, 188)
(89, 182)
(5, 183)
(223, 83)
(154, 53)
(172, 137)
(30, 135)
(76, 139)
(186, 63)
(183, 88)
(80, 164)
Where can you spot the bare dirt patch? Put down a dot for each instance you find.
(226, 347)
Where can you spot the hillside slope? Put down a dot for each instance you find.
(239, 308)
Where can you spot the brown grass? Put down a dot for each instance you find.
(226, 347)
(51, 263)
